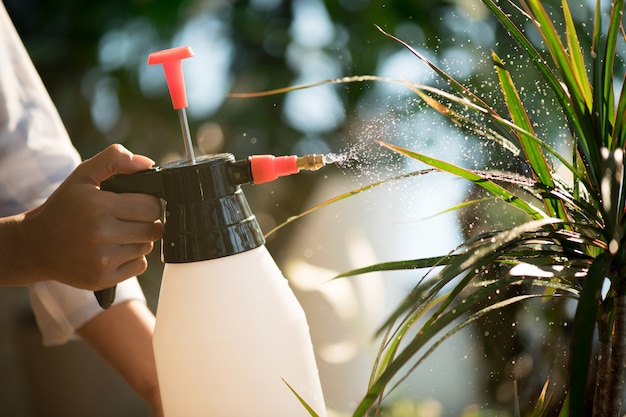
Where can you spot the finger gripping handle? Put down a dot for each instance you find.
(145, 182)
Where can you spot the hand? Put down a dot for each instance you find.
(89, 238)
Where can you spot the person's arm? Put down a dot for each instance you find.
(83, 236)
(36, 155)
(122, 335)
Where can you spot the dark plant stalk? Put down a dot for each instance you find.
(600, 397)
(618, 357)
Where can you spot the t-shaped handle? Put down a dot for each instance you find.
(171, 59)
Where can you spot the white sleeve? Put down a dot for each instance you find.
(36, 155)
(60, 309)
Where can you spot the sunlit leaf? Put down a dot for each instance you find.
(576, 56)
(534, 155)
(308, 408)
(464, 121)
(606, 106)
(346, 195)
(459, 87)
(559, 54)
(475, 259)
(579, 119)
(484, 131)
(400, 265)
(542, 402)
(490, 186)
(619, 130)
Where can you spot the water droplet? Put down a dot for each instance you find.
(334, 158)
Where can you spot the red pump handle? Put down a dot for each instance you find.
(173, 67)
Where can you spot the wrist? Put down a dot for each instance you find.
(16, 261)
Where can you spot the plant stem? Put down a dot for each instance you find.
(618, 357)
(600, 397)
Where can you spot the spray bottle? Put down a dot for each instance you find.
(230, 337)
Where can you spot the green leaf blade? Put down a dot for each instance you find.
(490, 186)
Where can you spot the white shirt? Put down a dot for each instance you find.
(36, 155)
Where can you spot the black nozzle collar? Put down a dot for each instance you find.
(206, 213)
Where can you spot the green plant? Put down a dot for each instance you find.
(575, 229)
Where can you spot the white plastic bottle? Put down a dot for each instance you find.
(230, 336)
(231, 340)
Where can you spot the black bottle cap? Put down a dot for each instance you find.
(206, 213)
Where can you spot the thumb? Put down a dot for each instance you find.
(115, 159)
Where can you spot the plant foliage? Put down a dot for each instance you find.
(575, 229)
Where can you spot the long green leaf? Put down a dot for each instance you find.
(445, 321)
(576, 56)
(579, 120)
(598, 49)
(459, 87)
(490, 186)
(346, 195)
(619, 130)
(504, 141)
(568, 71)
(541, 402)
(400, 265)
(472, 259)
(607, 106)
(307, 407)
(534, 155)
(583, 331)
(427, 333)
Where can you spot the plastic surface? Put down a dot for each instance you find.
(229, 335)
(207, 215)
(266, 168)
(106, 297)
(171, 59)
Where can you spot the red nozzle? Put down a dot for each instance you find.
(173, 67)
(266, 168)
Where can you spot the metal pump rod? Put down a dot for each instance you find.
(184, 124)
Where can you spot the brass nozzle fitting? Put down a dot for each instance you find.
(311, 162)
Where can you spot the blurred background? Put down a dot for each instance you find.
(92, 57)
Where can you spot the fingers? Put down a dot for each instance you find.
(132, 268)
(133, 218)
(113, 160)
(136, 263)
(129, 233)
(122, 262)
(122, 254)
(134, 207)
